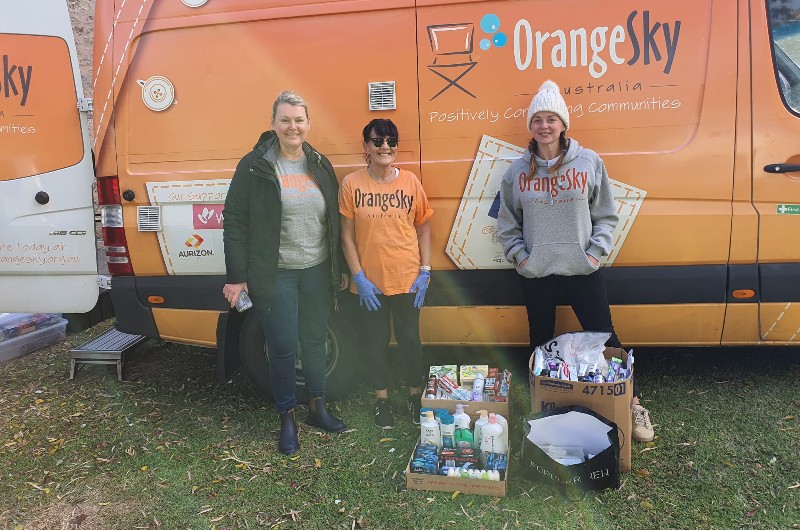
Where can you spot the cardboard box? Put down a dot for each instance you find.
(470, 407)
(473, 486)
(611, 400)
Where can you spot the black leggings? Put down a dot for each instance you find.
(378, 331)
(587, 296)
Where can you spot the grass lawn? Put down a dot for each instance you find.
(171, 448)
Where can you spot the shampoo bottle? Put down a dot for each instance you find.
(492, 437)
(430, 432)
(448, 431)
(461, 417)
(478, 433)
(422, 412)
(464, 439)
(504, 423)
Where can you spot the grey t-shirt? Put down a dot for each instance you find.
(304, 225)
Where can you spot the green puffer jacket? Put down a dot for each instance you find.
(253, 218)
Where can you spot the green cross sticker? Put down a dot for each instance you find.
(789, 209)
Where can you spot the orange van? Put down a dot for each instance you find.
(694, 106)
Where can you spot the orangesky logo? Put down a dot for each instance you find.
(593, 48)
(16, 80)
(194, 241)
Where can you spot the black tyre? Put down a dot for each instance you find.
(342, 364)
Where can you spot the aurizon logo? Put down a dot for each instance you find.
(194, 241)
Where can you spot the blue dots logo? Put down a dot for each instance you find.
(490, 24)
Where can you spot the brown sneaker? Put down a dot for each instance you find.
(642, 428)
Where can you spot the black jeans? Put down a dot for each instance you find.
(377, 329)
(586, 294)
(298, 317)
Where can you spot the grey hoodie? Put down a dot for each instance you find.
(555, 219)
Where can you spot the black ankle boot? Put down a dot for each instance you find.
(318, 416)
(287, 441)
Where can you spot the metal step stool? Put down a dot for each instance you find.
(107, 348)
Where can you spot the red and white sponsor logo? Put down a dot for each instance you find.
(208, 216)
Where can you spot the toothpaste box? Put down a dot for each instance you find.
(450, 370)
(467, 373)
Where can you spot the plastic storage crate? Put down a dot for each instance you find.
(22, 333)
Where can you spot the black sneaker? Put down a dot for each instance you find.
(413, 408)
(383, 414)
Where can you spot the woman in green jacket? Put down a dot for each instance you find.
(282, 247)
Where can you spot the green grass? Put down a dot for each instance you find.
(171, 448)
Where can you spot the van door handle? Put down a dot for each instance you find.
(781, 168)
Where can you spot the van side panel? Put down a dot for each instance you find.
(776, 193)
(47, 237)
(179, 155)
(665, 131)
(650, 88)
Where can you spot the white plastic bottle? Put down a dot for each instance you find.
(429, 430)
(477, 436)
(492, 436)
(504, 423)
(461, 417)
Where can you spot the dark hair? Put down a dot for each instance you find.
(533, 147)
(381, 127)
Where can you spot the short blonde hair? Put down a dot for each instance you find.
(293, 99)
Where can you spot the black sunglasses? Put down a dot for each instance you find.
(391, 141)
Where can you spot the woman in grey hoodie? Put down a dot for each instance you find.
(557, 213)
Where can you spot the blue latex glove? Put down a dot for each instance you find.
(421, 288)
(367, 292)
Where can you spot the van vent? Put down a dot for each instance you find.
(148, 218)
(382, 96)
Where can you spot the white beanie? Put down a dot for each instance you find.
(549, 99)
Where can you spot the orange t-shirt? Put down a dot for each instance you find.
(385, 217)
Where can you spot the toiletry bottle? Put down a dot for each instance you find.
(492, 437)
(477, 388)
(504, 423)
(422, 412)
(430, 431)
(437, 414)
(448, 431)
(477, 435)
(461, 417)
(464, 439)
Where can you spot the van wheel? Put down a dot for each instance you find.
(342, 359)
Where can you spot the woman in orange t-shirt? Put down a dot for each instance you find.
(387, 244)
